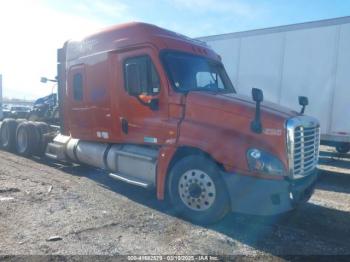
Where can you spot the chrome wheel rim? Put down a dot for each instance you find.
(197, 190)
(22, 140)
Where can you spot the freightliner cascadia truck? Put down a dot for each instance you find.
(157, 110)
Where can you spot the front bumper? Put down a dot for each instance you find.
(256, 196)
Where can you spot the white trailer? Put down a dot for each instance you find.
(1, 105)
(310, 59)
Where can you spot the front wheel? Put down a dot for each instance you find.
(197, 190)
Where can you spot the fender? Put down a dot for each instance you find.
(166, 154)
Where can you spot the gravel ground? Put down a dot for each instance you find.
(93, 214)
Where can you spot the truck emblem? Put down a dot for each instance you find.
(272, 131)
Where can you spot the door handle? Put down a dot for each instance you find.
(125, 125)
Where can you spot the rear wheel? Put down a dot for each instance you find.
(27, 139)
(8, 134)
(197, 190)
(343, 148)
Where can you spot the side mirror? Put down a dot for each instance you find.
(257, 94)
(133, 79)
(43, 80)
(258, 97)
(303, 101)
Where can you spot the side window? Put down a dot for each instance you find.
(209, 80)
(141, 76)
(78, 87)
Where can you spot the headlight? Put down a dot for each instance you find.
(265, 163)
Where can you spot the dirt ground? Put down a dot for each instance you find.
(93, 214)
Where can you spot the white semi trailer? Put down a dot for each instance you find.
(310, 59)
(1, 105)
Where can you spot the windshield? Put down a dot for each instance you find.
(189, 72)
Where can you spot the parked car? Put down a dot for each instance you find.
(15, 111)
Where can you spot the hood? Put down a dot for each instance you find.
(238, 104)
(226, 119)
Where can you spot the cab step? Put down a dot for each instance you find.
(57, 149)
(131, 180)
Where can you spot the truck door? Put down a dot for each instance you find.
(143, 99)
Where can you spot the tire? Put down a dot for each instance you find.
(27, 139)
(8, 134)
(197, 191)
(43, 129)
(343, 148)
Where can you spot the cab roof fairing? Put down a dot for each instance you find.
(131, 34)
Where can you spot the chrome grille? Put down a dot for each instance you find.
(303, 145)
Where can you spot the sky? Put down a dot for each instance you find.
(32, 30)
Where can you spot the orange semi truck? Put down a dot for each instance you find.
(156, 109)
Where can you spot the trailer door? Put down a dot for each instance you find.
(340, 124)
(308, 70)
